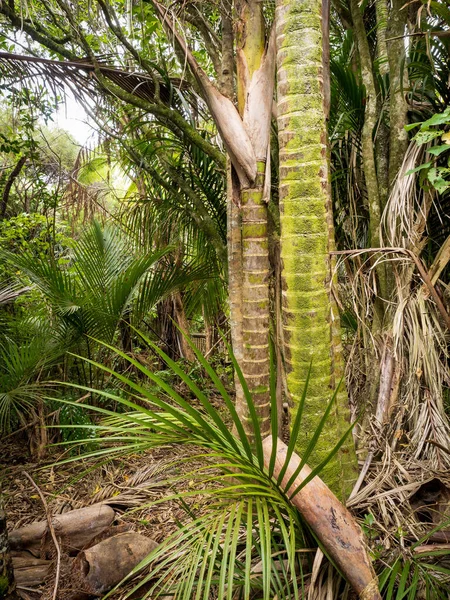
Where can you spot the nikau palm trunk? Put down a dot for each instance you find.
(255, 305)
(245, 133)
(310, 318)
(255, 82)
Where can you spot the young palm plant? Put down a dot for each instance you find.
(109, 281)
(249, 539)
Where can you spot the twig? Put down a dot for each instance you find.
(216, 344)
(437, 33)
(52, 532)
(27, 589)
(362, 474)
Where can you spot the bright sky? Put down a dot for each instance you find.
(72, 117)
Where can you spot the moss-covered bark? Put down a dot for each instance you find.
(398, 109)
(311, 327)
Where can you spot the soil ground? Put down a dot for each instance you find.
(129, 484)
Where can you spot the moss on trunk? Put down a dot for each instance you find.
(311, 322)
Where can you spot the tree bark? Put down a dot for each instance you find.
(311, 325)
(182, 322)
(8, 185)
(371, 115)
(398, 109)
(255, 301)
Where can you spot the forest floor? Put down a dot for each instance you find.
(131, 485)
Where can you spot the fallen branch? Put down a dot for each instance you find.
(77, 528)
(341, 537)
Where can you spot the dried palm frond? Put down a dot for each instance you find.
(83, 74)
(137, 489)
(84, 200)
(392, 487)
(420, 338)
(400, 216)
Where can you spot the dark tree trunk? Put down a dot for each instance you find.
(8, 185)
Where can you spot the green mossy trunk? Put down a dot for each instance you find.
(311, 321)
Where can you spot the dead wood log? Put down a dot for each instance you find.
(29, 571)
(75, 529)
(103, 566)
(333, 524)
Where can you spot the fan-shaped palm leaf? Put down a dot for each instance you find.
(248, 518)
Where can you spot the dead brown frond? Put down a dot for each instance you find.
(82, 75)
(83, 201)
(404, 441)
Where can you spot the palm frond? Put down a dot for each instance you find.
(248, 539)
(83, 73)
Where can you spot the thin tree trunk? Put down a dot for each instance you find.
(398, 109)
(8, 185)
(182, 322)
(253, 67)
(311, 327)
(371, 115)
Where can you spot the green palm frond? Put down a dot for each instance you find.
(422, 572)
(20, 365)
(249, 537)
(108, 279)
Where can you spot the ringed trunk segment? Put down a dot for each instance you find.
(309, 323)
(255, 302)
(255, 62)
(330, 520)
(234, 246)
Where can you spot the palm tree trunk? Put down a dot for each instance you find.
(245, 133)
(311, 321)
(255, 300)
(253, 66)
